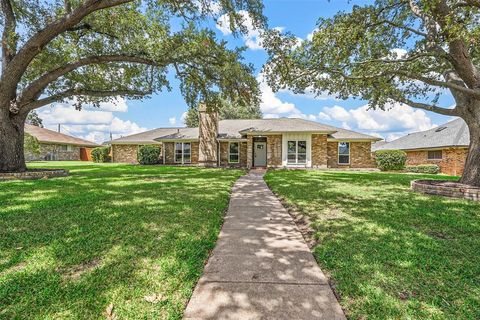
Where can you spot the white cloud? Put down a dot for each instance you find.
(324, 116)
(311, 34)
(172, 120)
(183, 117)
(94, 124)
(396, 121)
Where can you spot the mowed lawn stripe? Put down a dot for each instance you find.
(106, 235)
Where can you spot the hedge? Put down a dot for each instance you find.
(101, 154)
(148, 155)
(424, 168)
(390, 159)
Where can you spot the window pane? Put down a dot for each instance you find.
(292, 158)
(178, 146)
(233, 147)
(186, 147)
(292, 147)
(234, 158)
(302, 146)
(344, 159)
(435, 155)
(186, 158)
(178, 157)
(302, 158)
(344, 148)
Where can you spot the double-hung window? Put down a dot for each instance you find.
(233, 152)
(344, 152)
(297, 152)
(183, 152)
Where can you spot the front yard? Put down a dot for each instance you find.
(392, 253)
(128, 237)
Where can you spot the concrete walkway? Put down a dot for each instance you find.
(261, 268)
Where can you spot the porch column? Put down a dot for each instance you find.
(249, 152)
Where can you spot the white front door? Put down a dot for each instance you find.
(260, 154)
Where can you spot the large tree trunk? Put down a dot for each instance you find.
(471, 174)
(12, 158)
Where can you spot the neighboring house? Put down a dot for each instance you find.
(446, 145)
(280, 142)
(58, 146)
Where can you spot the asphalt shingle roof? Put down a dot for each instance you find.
(451, 134)
(236, 129)
(49, 136)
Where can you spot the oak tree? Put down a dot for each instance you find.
(91, 51)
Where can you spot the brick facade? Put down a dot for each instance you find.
(452, 162)
(54, 152)
(224, 155)
(319, 150)
(274, 150)
(360, 155)
(125, 153)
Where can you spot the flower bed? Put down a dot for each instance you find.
(447, 189)
(34, 174)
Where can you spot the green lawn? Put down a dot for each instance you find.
(391, 253)
(108, 234)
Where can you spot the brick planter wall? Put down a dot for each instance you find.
(34, 174)
(447, 189)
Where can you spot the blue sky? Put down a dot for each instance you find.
(166, 108)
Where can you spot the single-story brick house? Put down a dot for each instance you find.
(280, 142)
(58, 146)
(446, 146)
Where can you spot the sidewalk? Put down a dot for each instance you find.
(261, 268)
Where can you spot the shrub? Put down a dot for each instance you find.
(424, 168)
(101, 154)
(148, 155)
(390, 159)
(31, 145)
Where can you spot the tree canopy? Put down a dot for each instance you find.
(406, 51)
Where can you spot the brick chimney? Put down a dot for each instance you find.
(208, 132)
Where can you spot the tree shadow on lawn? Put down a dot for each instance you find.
(97, 240)
(392, 253)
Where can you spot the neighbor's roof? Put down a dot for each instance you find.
(451, 134)
(49, 136)
(236, 129)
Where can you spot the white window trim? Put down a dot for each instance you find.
(238, 143)
(183, 153)
(434, 159)
(296, 163)
(338, 152)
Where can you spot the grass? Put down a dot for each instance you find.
(108, 234)
(391, 253)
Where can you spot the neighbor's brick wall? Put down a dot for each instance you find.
(224, 155)
(452, 163)
(170, 152)
(60, 155)
(360, 155)
(124, 153)
(274, 150)
(319, 150)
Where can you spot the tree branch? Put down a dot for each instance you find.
(33, 46)
(424, 106)
(82, 92)
(35, 89)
